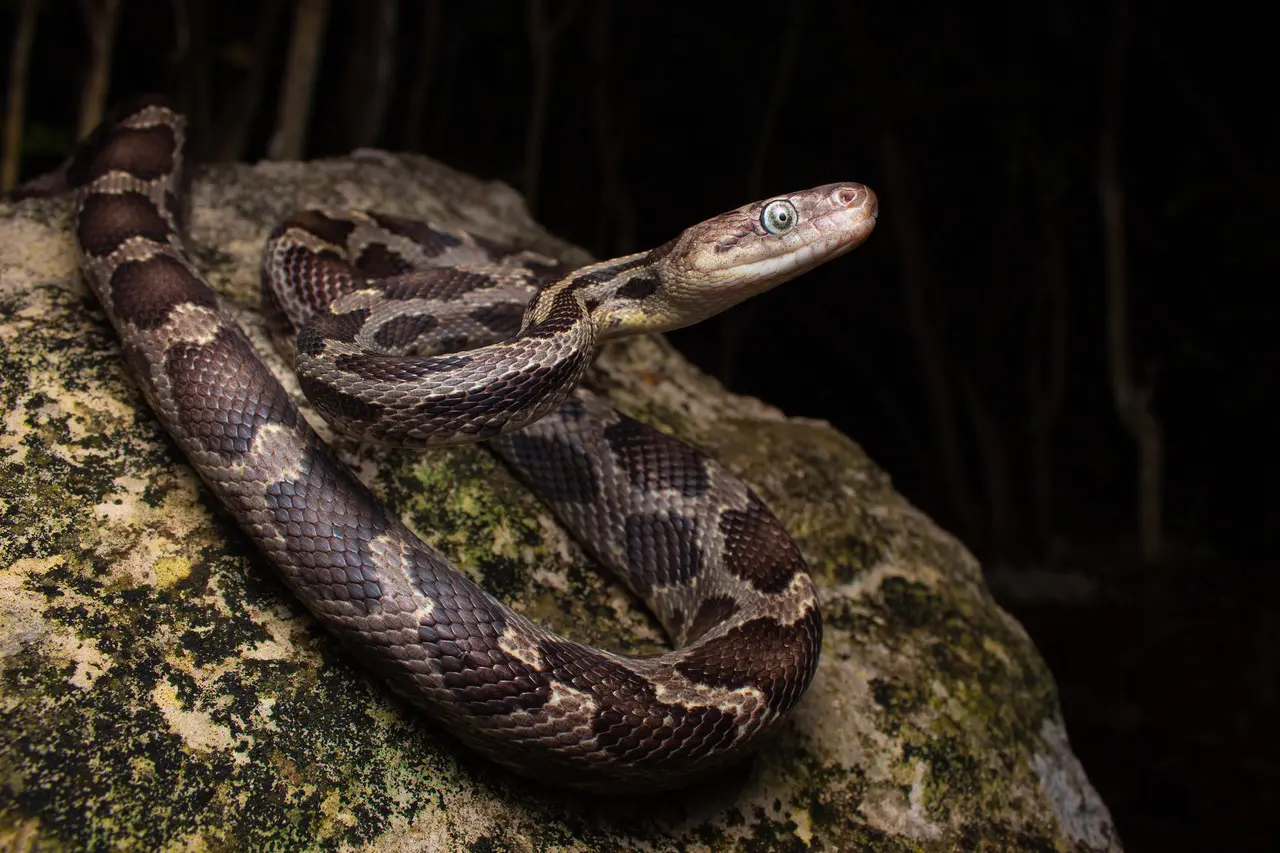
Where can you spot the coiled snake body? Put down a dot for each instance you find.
(377, 299)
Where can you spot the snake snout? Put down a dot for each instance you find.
(856, 195)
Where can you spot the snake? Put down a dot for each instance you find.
(409, 335)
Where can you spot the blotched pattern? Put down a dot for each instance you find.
(379, 299)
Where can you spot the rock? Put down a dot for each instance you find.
(161, 690)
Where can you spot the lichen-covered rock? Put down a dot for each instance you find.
(159, 689)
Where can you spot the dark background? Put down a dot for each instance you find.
(965, 346)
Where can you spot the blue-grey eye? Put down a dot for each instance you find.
(779, 217)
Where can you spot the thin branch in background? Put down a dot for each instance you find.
(1047, 362)
(369, 70)
(993, 446)
(310, 20)
(413, 129)
(16, 104)
(241, 106)
(619, 212)
(1216, 128)
(194, 72)
(543, 32)
(100, 17)
(780, 86)
(1133, 401)
(734, 324)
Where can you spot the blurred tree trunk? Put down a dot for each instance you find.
(928, 334)
(368, 74)
(309, 22)
(1132, 399)
(543, 32)
(240, 107)
(413, 131)
(16, 103)
(1048, 332)
(993, 444)
(193, 57)
(616, 228)
(100, 17)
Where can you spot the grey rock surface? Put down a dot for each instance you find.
(160, 690)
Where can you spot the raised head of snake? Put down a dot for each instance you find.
(410, 394)
(718, 263)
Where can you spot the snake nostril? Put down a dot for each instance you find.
(846, 196)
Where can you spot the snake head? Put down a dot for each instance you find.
(733, 256)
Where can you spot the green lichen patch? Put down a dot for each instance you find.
(160, 690)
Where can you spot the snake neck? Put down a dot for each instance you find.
(622, 296)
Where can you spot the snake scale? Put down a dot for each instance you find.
(411, 335)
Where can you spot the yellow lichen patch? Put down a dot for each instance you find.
(151, 545)
(196, 729)
(171, 570)
(993, 647)
(336, 816)
(504, 542)
(804, 826)
(22, 836)
(194, 843)
(142, 767)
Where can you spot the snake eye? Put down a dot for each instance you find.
(779, 217)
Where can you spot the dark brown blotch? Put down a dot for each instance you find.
(109, 219)
(775, 658)
(402, 331)
(462, 638)
(83, 165)
(758, 549)
(654, 461)
(495, 249)
(378, 261)
(433, 242)
(377, 367)
(607, 274)
(435, 283)
(639, 287)
(563, 314)
(557, 470)
(330, 327)
(631, 723)
(327, 520)
(224, 394)
(661, 549)
(331, 230)
(338, 406)
(503, 319)
(144, 293)
(147, 153)
(711, 613)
